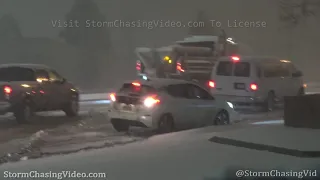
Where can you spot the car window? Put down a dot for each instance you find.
(17, 74)
(199, 93)
(54, 76)
(142, 89)
(42, 75)
(224, 68)
(179, 91)
(276, 70)
(241, 69)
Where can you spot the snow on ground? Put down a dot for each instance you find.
(279, 136)
(187, 155)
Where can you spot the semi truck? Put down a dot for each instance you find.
(191, 59)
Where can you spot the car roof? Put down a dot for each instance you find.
(31, 66)
(255, 59)
(160, 82)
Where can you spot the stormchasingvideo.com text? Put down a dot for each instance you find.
(53, 175)
(127, 24)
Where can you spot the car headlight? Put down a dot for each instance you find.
(230, 105)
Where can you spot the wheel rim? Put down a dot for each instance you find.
(222, 119)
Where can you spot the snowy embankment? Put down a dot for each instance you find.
(187, 155)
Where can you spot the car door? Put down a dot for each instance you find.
(43, 90)
(204, 106)
(182, 106)
(61, 89)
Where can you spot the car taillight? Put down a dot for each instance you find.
(150, 101)
(113, 97)
(7, 89)
(136, 84)
(235, 58)
(179, 67)
(253, 87)
(138, 66)
(211, 84)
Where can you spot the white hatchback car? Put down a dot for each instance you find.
(165, 105)
(250, 81)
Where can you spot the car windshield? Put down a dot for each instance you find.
(228, 89)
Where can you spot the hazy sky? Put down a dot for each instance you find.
(35, 18)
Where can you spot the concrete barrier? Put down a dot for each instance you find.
(98, 96)
(302, 111)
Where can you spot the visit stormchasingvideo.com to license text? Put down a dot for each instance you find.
(151, 24)
(126, 24)
(53, 175)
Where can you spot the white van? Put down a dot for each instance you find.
(250, 81)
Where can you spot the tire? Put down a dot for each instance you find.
(72, 107)
(222, 118)
(119, 125)
(166, 124)
(269, 104)
(23, 114)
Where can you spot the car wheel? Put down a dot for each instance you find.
(222, 118)
(270, 102)
(166, 124)
(72, 107)
(301, 92)
(23, 114)
(119, 125)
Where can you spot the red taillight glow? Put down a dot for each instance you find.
(253, 87)
(211, 84)
(235, 58)
(179, 68)
(151, 101)
(7, 90)
(113, 97)
(136, 84)
(138, 66)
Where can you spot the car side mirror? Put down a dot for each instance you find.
(297, 74)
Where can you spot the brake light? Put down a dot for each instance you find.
(179, 68)
(113, 97)
(211, 84)
(151, 101)
(136, 84)
(235, 58)
(7, 89)
(253, 87)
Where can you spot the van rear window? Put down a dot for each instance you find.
(224, 68)
(241, 69)
(238, 69)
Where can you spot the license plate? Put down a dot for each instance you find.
(239, 86)
(127, 108)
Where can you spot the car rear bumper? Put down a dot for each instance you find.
(133, 119)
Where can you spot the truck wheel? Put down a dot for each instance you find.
(72, 107)
(23, 113)
(119, 125)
